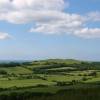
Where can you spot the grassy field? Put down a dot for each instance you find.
(49, 76)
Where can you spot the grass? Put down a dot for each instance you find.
(26, 80)
(24, 76)
(62, 78)
(23, 83)
(50, 79)
(62, 68)
(17, 70)
(93, 80)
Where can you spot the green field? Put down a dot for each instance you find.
(48, 76)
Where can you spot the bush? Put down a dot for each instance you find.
(3, 72)
(61, 84)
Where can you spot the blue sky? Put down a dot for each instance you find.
(62, 29)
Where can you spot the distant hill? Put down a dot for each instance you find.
(66, 61)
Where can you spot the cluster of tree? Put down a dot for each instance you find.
(66, 94)
(3, 72)
(76, 66)
(11, 64)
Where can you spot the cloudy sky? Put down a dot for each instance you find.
(40, 29)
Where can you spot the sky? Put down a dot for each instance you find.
(49, 29)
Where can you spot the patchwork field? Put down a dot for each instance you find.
(48, 76)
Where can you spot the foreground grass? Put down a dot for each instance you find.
(76, 92)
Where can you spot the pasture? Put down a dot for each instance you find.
(49, 76)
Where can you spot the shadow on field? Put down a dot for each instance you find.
(71, 94)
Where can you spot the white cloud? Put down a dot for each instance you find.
(88, 32)
(23, 11)
(33, 4)
(4, 36)
(39, 4)
(94, 16)
(64, 23)
(48, 17)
